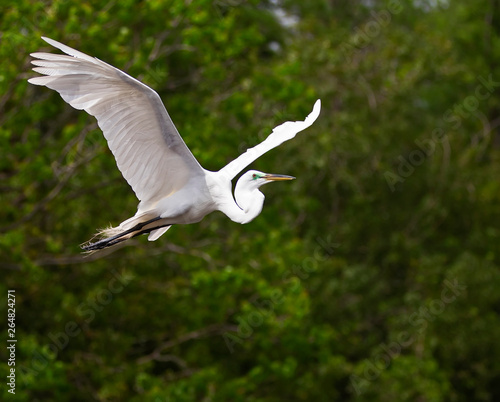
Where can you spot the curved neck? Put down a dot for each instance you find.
(246, 204)
(250, 203)
(244, 207)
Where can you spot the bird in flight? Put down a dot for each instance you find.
(172, 187)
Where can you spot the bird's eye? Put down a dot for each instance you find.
(254, 176)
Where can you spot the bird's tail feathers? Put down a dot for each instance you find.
(99, 240)
(110, 231)
(110, 236)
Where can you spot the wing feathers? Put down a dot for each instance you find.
(280, 134)
(148, 150)
(68, 50)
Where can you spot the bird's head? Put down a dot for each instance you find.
(247, 193)
(253, 179)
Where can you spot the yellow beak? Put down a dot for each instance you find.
(278, 177)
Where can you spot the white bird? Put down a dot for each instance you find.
(170, 184)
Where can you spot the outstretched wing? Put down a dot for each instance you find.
(149, 151)
(280, 134)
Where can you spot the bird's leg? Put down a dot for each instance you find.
(117, 238)
(146, 231)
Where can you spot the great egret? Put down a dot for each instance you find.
(170, 184)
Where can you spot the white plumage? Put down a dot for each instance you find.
(171, 185)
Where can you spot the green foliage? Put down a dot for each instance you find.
(374, 276)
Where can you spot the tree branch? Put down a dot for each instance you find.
(215, 329)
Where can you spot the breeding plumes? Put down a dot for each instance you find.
(172, 187)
